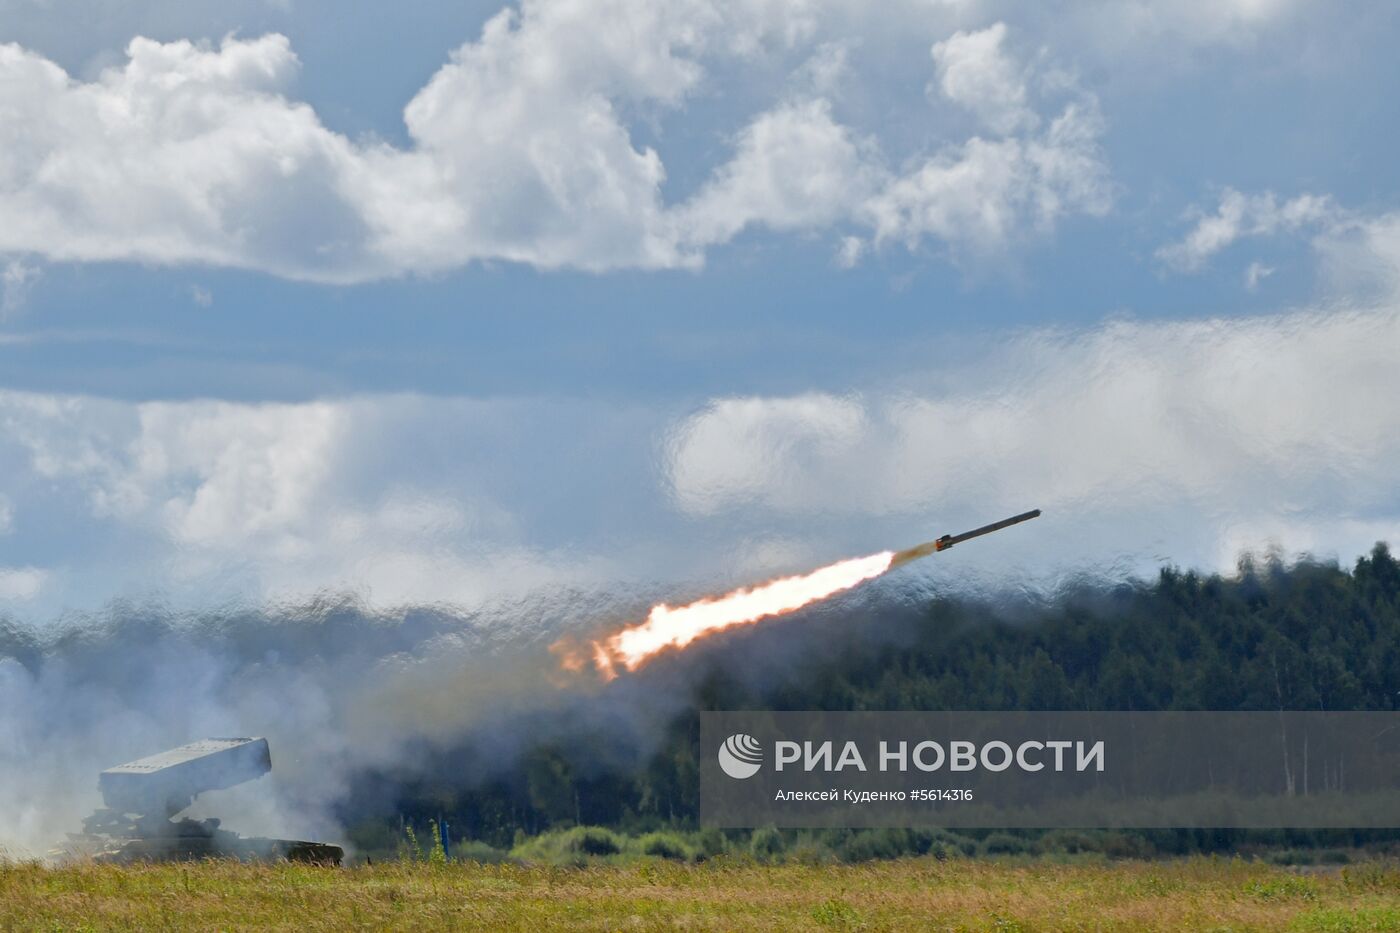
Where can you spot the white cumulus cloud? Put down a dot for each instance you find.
(1358, 253)
(20, 583)
(1240, 215)
(521, 148)
(796, 167)
(1218, 429)
(380, 495)
(987, 192)
(1256, 273)
(1143, 441)
(16, 279)
(975, 72)
(1362, 255)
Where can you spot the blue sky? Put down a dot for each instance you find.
(465, 302)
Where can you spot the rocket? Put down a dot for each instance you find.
(947, 541)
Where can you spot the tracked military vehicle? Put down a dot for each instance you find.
(144, 797)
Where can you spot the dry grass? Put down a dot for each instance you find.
(1197, 894)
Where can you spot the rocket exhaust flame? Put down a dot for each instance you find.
(677, 626)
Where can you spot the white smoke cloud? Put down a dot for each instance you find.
(334, 690)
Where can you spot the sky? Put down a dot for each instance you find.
(467, 303)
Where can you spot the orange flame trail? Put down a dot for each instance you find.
(675, 627)
(678, 626)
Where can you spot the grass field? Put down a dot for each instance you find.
(1194, 894)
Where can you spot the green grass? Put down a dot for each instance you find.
(719, 894)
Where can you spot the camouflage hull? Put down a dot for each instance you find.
(244, 850)
(191, 840)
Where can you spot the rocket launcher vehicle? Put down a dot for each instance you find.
(144, 800)
(942, 544)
